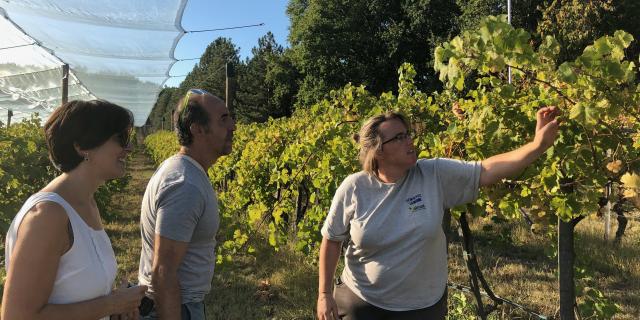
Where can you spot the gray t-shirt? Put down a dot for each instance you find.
(180, 204)
(396, 258)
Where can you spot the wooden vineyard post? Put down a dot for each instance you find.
(565, 269)
(65, 83)
(230, 90)
(9, 115)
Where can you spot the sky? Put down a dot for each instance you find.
(211, 14)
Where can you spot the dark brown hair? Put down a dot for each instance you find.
(87, 124)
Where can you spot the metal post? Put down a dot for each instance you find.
(607, 213)
(607, 208)
(509, 20)
(65, 83)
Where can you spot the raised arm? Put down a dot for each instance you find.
(513, 162)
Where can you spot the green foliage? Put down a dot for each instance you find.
(592, 303)
(284, 165)
(162, 112)
(525, 14)
(161, 145)
(24, 166)
(576, 24)
(209, 74)
(25, 169)
(461, 307)
(596, 92)
(281, 176)
(266, 83)
(106, 191)
(365, 42)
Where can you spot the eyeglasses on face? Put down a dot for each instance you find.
(400, 137)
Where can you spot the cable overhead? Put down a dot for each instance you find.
(227, 28)
(228, 59)
(19, 46)
(184, 75)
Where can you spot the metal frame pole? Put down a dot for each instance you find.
(509, 20)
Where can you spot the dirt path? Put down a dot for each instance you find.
(122, 222)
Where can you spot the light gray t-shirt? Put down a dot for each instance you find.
(396, 258)
(180, 204)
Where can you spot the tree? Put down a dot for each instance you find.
(525, 14)
(209, 73)
(163, 108)
(282, 77)
(335, 42)
(265, 83)
(576, 24)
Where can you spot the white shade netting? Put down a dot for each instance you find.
(119, 50)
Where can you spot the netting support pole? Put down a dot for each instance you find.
(607, 213)
(65, 83)
(230, 92)
(509, 20)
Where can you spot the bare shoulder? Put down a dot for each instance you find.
(45, 221)
(47, 212)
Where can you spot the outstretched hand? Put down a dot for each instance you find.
(547, 126)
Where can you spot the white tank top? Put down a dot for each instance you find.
(87, 270)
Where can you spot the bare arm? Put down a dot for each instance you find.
(329, 254)
(167, 257)
(511, 163)
(42, 240)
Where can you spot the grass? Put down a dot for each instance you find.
(518, 265)
(122, 222)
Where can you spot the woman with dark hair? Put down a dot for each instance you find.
(60, 263)
(396, 258)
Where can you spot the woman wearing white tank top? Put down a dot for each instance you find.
(60, 263)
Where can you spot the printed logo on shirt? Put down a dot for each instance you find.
(415, 203)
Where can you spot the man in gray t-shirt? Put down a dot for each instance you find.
(179, 218)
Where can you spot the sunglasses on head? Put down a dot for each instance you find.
(185, 103)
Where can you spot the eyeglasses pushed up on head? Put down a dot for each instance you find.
(185, 102)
